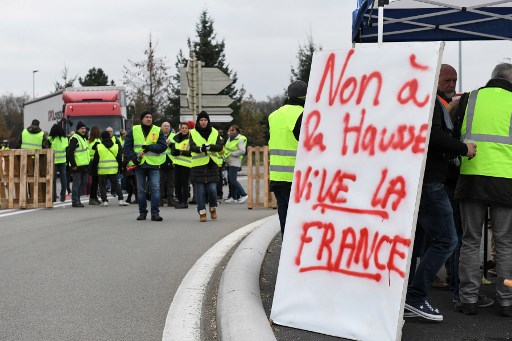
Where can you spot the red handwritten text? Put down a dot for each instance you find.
(312, 139)
(356, 253)
(365, 137)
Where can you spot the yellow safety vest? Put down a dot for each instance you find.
(168, 150)
(282, 144)
(5, 148)
(91, 144)
(487, 122)
(82, 156)
(201, 159)
(59, 145)
(150, 158)
(182, 160)
(232, 146)
(31, 141)
(108, 162)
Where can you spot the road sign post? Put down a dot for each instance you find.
(200, 89)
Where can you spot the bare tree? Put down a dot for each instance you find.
(66, 81)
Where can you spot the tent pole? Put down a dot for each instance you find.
(459, 80)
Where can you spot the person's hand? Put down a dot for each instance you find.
(203, 148)
(136, 161)
(175, 152)
(145, 148)
(471, 150)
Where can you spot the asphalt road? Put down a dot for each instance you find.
(95, 273)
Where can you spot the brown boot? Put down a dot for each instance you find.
(213, 212)
(202, 216)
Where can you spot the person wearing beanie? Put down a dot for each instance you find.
(32, 137)
(145, 146)
(106, 162)
(284, 125)
(205, 145)
(78, 158)
(182, 163)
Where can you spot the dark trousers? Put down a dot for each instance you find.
(79, 183)
(93, 191)
(282, 197)
(167, 183)
(181, 181)
(102, 179)
(61, 169)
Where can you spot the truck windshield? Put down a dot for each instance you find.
(115, 122)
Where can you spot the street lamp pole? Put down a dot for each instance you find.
(34, 83)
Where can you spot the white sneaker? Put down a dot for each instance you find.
(123, 203)
(105, 203)
(230, 201)
(242, 199)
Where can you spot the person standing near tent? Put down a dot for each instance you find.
(486, 182)
(284, 125)
(435, 213)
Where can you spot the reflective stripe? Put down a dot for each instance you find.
(470, 115)
(183, 159)
(25, 144)
(283, 152)
(286, 169)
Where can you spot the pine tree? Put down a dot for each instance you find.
(210, 51)
(95, 77)
(305, 57)
(147, 85)
(66, 81)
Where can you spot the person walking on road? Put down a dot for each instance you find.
(485, 183)
(234, 151)
(205, 145)
(59, 142)
(284, 125)
(106, 162)
(435, 213)
(167, 168)
(78, 158)
(182, 163)
(145, 146)
(94, 140)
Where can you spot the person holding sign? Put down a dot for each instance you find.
(284, 125)
(484, 182)
(435, 212)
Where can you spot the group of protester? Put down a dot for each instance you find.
(151, 162)
(460, 187)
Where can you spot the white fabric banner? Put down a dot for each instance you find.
(355, 194)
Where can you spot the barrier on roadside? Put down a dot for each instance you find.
(258, 179)
(26, 178)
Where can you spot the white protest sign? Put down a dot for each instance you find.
(356, 189)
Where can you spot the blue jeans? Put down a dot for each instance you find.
(436, 217)
(202, 191)
(79, 182)
(153, 174)
(235, 188)
(61, 169)
(282, 197)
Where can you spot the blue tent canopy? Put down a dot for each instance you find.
(427, 20)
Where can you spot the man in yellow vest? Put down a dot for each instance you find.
(284, 125)
(485, 182)
(145, 146)
(32, 137)
(106, 162)
(78, 158)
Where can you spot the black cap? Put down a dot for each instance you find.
(297, 89)
(35, 123)
(79, 125)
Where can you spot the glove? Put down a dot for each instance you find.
(207, 146)
(145, 148)
(175, 152)
(137, 161)
(203, 148)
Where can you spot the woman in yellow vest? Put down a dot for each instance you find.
(205, 145)
(182, 163)
(59, 142)
(234, 151)
(94, 139)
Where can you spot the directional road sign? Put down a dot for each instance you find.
(213, 118)
(213, 81)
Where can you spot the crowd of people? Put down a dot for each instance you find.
(148, 162)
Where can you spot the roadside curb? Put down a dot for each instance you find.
(184, 317)
(240, 313)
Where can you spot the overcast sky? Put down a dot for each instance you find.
(262, 38)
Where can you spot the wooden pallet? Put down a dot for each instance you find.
(26, 178)
(258, 179)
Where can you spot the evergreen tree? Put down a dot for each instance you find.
(211, 53)
(147, 85)
(11, 116)
(95, 77)
(305, 57)
(66, 82)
